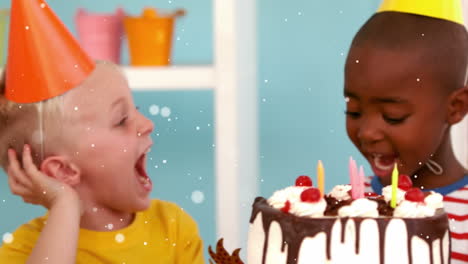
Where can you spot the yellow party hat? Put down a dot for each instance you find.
(443, 9)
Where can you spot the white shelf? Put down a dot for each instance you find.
(184, 77)
(170, 78)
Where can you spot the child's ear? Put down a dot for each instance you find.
(458, 105)
(62, 169)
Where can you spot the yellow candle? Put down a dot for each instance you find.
(320, 177)
(394, 186)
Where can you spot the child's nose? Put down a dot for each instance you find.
(145, 125)
(369, 133)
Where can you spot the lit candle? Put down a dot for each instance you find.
(321, 177)
(394, 186)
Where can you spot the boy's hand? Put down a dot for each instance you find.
(34, 186)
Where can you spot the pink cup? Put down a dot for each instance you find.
(100, 35)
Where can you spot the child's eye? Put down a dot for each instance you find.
(353, 115)
(394, 121)
(122, 122)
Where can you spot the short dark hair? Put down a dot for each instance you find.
(442, 44)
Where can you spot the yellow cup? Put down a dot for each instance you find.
(150, 37)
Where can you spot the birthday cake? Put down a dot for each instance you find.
(300, 225)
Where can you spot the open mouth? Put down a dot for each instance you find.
(383, 164)
(143, 178)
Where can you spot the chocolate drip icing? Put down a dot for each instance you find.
(430, 230)
(343, 229)
(295, 229)
(382, 226)
(358, 222)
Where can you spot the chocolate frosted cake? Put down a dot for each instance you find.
(298, 225)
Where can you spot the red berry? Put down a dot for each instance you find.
(370, 194)
(287, 206)
(404, 182)
(304, 180)
(310, 195)
(414, 195)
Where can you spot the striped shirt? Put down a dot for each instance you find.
(456, 207)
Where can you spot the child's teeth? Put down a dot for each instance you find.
(379, 165)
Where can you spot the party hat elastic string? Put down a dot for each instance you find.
(41, 130)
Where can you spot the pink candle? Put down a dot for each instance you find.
(353, 174)
(361, 178)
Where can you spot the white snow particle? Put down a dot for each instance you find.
(197, 128)
(165, 111)
(154, 109)
(164, 161)
(145, 243)
(198, 197)
(7, 238)
(357, 61)
(110, 226)
(42, 5)
(95, 209)
(119, 238)
(92, 145)
(26, 27)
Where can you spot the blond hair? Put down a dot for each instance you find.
(36, 124)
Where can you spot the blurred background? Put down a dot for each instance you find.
(300, 49)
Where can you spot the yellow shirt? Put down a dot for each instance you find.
(162, 234)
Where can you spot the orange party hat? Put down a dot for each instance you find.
(44, 59)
